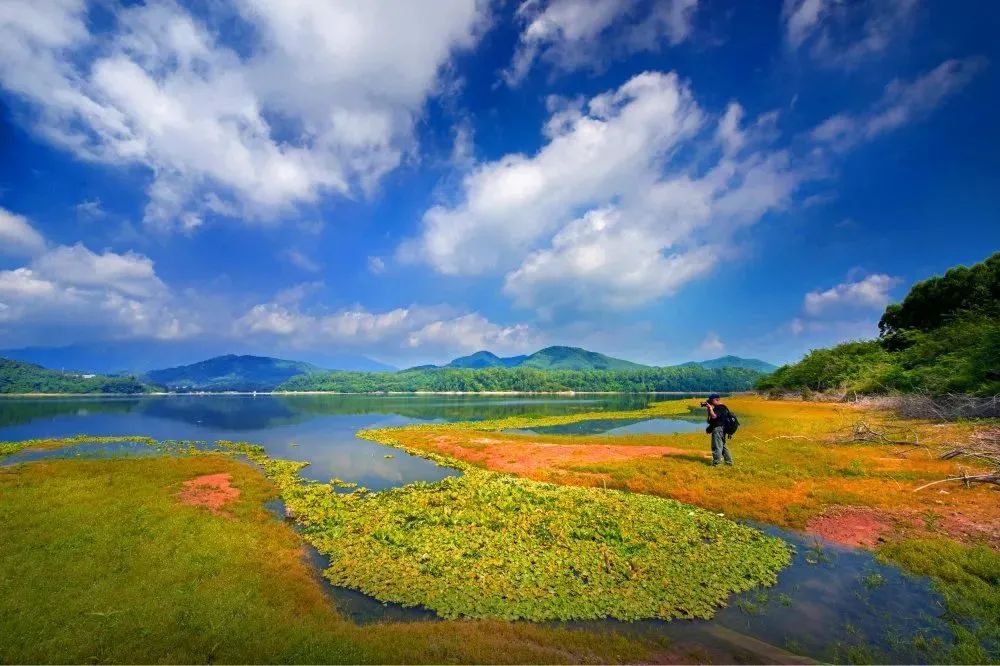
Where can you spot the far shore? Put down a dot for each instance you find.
(371, 393)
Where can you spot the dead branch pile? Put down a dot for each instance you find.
(983, 447)
(947, 407)
(863, 432)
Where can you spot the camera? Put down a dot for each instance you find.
(704, 404)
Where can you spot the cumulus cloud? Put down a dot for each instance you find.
(869, 293)
(431, 330)
(322, 100)
(903, 102)
(607, 212)
(844, 34)
(17, 236)
(576, 34)
(68, 293)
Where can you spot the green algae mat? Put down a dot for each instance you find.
(488, 545)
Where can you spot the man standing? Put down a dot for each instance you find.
(717, 415)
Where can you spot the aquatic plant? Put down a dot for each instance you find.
(490, 545)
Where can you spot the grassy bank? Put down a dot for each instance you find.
(100, 563)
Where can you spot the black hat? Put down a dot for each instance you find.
(714, 396)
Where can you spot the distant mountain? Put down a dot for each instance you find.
(734, 362)
(550, 358)
(231, 373)
(138, 356)
(20, 377)
(575, 358)
(486, 359)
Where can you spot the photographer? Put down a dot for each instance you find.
(718, 414)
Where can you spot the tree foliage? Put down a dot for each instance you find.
(17, 377)
(944, 337)
(932, 302)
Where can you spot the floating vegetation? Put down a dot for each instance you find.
(7, 448)
(490, 545)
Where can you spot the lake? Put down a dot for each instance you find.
(319, 429)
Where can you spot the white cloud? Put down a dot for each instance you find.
(607, 214)
(844, 34)
(712, 344)
(376, 265)
(428, 330)
(91, 209)
(301, 260)
(322, 100)
(472, 332)
(903, 102)
(17, 236)
(69, 293)
(871, 293)
(575, 34)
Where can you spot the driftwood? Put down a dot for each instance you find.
(967, 479)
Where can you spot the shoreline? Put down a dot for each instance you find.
(373, 393)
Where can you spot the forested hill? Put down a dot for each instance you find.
(18, 377)
(231, 373)
(677, 378)
(944, 337)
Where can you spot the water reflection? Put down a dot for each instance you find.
(617, 427)
(319, 429)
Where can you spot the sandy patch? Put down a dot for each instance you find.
(851, 526)
(212, 491)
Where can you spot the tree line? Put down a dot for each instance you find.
(682, 379)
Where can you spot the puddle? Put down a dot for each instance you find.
(616, 427)
(122, 449)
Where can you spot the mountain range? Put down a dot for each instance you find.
(137, 357)
(550, 358)
(733, 362)
(233, 372)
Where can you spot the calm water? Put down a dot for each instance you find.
(618, 427)
(318, 429)
(827, 605)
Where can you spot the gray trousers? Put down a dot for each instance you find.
(720, 449)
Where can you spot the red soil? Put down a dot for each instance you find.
(520, 457)
(212, 491)
(850, 526)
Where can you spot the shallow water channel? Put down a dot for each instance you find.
(831, 603)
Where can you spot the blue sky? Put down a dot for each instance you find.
(663, 181)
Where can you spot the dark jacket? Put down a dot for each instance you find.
(720, 417)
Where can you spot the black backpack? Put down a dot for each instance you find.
(730, 424)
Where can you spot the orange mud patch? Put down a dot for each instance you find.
(850, 526)
(534, 459)
(212, 491)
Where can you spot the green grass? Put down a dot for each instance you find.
(968, 577)
(99, 563)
